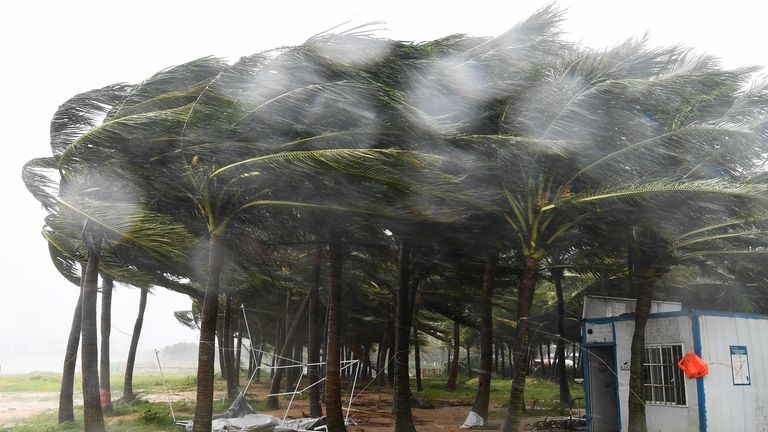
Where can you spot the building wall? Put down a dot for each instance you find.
(735, 408)
(670, 330)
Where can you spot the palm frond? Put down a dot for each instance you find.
(82, 113)
(694, 190)
(132, 224)
(167, 81)
(41, 179)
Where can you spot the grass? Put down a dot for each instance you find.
(50, 382)
(32, 382)
(541, 395)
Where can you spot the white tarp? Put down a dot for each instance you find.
(473, 420)
(250, 422)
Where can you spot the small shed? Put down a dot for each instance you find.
(733, 397)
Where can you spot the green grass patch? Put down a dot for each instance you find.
(51, 382)
(541, 395)
(33, 382)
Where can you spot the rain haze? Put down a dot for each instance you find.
(55, 50)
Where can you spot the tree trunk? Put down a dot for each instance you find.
(128, 384)
(272, 401)
(525, 292)
(502, 358)
(298, 355)
(207, 348)
(313, 344)
(469, 362)
(643, 289)
(106, 326)
(402, 399)
(334, 417)
(453, 369)
(576, 365)
(391, 353)
(381, 362)
(259, 358)
(221, 347)
(417, 355)
(228, 348)
(66, 410)
(251, 360)
(647, 260)
(482, 399)
(565, 392)
(93, 417)
(238, 354)
(275, 346)
(550, 363)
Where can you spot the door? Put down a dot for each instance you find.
(603, 393)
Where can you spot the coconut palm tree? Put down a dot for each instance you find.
(106, 328)
(128, 394)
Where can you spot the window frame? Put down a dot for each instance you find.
(655, 376)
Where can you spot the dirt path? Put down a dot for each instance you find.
(19, 405)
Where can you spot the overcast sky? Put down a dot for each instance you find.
(54, 50)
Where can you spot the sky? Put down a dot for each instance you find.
(54, 50)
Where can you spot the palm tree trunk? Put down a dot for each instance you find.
(565, 392)
(643, 288)
(221, 345)
(334, 417)
(229, 357)
(128, 384)
(417, 355)
(66, 394)
(106, 327)
(453, 372)
(415, 299)
(272, 401)
(207, 348)
(402, 400)
(482, 399)
(503, 364)
(515, 407)
(238, 354)
(381, 361)
(93, 417)
(259, 358)
(313, 345)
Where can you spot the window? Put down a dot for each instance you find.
(664, 381)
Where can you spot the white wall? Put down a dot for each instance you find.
(730, 407)
(675, 330)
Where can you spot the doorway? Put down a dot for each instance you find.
(603, 393)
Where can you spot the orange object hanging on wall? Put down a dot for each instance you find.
(693, 366)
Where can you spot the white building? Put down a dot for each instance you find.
(733, 397)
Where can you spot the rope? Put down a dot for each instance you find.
(298, 381)
(170, 404)
(351, 393)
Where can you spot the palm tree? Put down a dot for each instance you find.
(313, 343)
(106, 328)
(128, 394)
(66, 401)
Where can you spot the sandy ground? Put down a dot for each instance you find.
(370, 412)
(18, 405)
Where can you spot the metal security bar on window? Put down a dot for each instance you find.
(664, 383)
